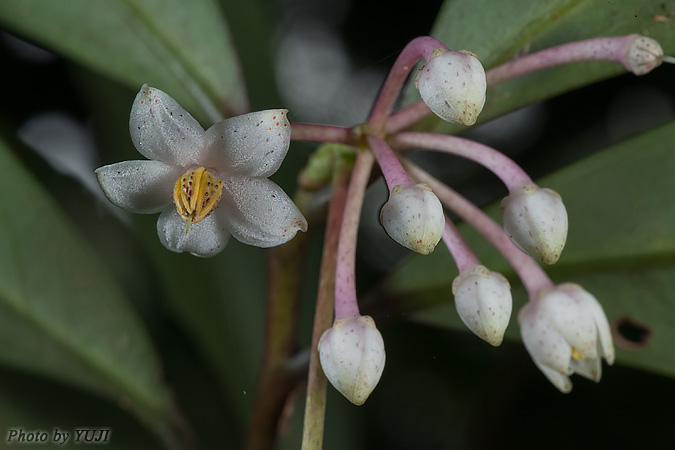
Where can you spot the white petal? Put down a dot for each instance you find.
(588, 367)
(559, 380)
(352, 357)
(544, 343)
(161, 129)
(413, 217)
(566, 308)
(252, 144)
(139, 186)
(205, 238)
(606, 343)
(258, 212)
(483, 301)
(453, 85)
(536, 221)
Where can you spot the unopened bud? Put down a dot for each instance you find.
(352, 357)
(644, 55)
(413, 216)
(483, 302)
(453, 85)
(536, 221)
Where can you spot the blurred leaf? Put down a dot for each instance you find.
(180, 47)
(621, 247)
(500, 31)
(35, 404)
(61, 314)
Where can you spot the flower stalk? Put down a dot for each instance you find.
(315, 403)
(420, 47)
(510, 173)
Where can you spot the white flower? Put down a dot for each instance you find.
(413, 216)
(206, 184)
(565, 331)
(483, 302)
(453, 85)
(536, 221)
(352, 356)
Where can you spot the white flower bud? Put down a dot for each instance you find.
(565, 331)
(453, 85)
(352, 357)
(413, 216)
(483, 302)
(644, 55)
(536, 221)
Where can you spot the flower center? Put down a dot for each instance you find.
(577, 355)
(196, 195)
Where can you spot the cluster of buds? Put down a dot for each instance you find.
(211, 184)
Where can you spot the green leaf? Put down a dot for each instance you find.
(500, 31)
(183, 48)
(62, 316)
(620, 247)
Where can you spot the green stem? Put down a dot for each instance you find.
(284, 269)
(315, 404)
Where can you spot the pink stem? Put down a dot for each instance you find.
(512, 175)
(420, 47)
(531, 274)
(321, 133)
(464, 257)
(611, 49)
(393, 171)
(346, 304)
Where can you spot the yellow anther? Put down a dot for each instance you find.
(577, 355)
(196, 195)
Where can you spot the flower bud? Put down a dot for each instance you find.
(565, 331)
(536, 221)
(644, 55)
(453, 85)
(483, 302)
(352, 357)
(413, 216)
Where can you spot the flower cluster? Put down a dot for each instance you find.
(210, 184)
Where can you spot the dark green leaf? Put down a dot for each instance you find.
(61, 314)
(180, 47)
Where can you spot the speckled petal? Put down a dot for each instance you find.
(483, 301)
(544, 343)
(588, 367)
(206, 238)
(139, 186)
(352, 357)
(258, 212)
(565, 308)
(162, 130)
(559, 380)
(252, 144)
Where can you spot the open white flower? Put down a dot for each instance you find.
(206, 184)
(565, 331)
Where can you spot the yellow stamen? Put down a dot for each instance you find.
(577, 355)
(196, 195)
